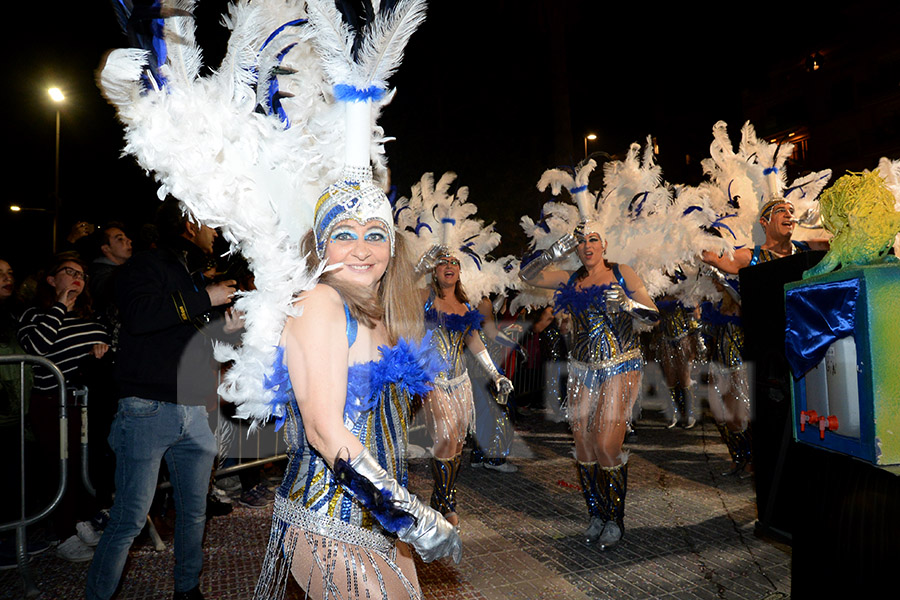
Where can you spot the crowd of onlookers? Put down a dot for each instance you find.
(69, 313)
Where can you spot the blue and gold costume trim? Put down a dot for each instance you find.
(604, 346)
(310, 501)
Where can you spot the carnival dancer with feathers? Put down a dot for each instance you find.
(336, 358)
(744, 188)
(605, 363)
(452, 245)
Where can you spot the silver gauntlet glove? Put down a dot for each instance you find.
(431, 534)
(428, 260)
(503, 384)
(617, 300)
(558, 250)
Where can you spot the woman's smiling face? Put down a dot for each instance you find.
(364, 250)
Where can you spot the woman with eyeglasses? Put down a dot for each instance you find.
(60, 328)
(450, 406)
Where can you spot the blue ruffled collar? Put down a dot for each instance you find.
(410, 366)
(573, 300)
(452, 321)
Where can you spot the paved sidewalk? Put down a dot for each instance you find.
(689, 532)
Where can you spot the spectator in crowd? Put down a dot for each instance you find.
(166, 373)
(60, 328)
(15, 389)
(113, 249)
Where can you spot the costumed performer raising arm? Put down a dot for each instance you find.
(605, 367)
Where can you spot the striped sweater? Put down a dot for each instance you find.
(58, 336)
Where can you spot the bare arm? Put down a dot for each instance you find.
(316, 352)
(550, 279)
(729, 264)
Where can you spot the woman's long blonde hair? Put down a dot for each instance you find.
(396, 301)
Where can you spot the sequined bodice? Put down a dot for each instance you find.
(449, 336)
(377, 412)
(675, 319)
(598, 335)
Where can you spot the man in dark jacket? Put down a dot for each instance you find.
(165, 375)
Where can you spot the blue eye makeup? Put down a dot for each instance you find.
(376, 234)
(343, 234)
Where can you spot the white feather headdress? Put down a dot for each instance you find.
(434, 214)
(250, 147)
(657, 229)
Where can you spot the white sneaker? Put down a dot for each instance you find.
(232, 483)
(74, 550)
(504, 467)
(87, 534)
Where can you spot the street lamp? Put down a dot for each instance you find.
(57, 96)
(590, 136)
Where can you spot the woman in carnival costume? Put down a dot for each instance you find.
(440, 221)
(605, 363)
(738, 182)
(334, 358)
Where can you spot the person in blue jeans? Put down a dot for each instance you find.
(167, 377)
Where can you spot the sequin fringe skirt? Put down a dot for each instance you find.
(450, 408)
(611, 386)
(332, 560)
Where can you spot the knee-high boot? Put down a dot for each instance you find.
(588, 474)
(444, 472)
(739, 447)
(688, 410)
(613, 484)
(676, 402)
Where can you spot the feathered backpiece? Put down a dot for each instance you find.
(436, 214)
(556, 220)
(741, 183)
(250, 147)
(655, 228)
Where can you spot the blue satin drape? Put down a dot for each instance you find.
(817, 315)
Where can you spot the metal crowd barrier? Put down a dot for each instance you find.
(31, 590)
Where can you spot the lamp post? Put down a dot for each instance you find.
(590, 136)
(57, 96)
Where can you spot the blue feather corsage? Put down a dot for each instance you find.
(410, 366)
(453, 322)
(569, 298)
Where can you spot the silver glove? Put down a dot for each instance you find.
(431, 534)
(617, 300)
(502, 383)
(811, 218)
(428, 260)
(560, 248)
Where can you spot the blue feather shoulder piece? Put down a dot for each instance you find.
(453, 322)
(410, 366)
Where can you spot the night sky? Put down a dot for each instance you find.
(497, 91)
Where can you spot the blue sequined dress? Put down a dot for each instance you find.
(452, 399)
(604, 346)
(314, 515)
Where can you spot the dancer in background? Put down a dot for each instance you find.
(451, 242)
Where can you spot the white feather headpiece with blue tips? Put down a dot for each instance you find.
(249, 147)
(436, 214)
